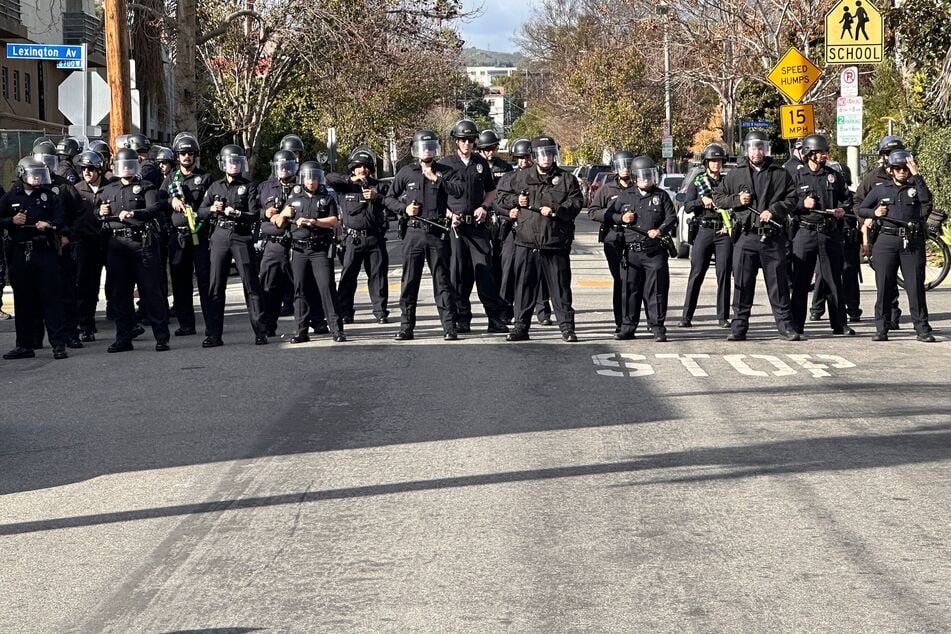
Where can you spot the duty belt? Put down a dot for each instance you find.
(902, 232)
(711, 223)
(467, 220)
(131, 234)
(316, 244)
(644, 246)
(361, 233)
(281, 240)
(820, 227)
(233, 225)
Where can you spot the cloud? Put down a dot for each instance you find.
(499, 22)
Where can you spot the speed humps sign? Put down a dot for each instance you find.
(794, 75)
(854, 33)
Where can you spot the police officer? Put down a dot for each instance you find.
(488, 147)
(293, 143)
(420, 195)
(470, 238)
(102, 148)
(507, 222)
(130, 208)
(142, 146)
(822, 202)
(66, 150)
(643, 215)
(188, 251)
(3, 268)
(901, 207)
(796, 159)
(32, 214)
(231, 205)
(72, 207)
(761, 195)
(165, 158)
(875, 177)
(713, 238)
(548, 201)
(364, 231)
(607, 234)
(275, 232)
(312, 213)
(90, 242)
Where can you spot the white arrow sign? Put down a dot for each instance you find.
(71, 101)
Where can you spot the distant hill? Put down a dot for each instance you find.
(481, 57)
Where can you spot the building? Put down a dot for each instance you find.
(484, 75)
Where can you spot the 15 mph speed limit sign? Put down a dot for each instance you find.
(797, 120)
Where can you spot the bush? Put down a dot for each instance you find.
(931, 146)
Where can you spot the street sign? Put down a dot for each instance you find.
(44, 51)
(99, 97)
(70, 64)
(855, 33)
(797, 120)
(756, 124)
(848, 121)
(849, 82)
(667, 147)
(794, 75)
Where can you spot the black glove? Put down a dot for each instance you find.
(935, 220)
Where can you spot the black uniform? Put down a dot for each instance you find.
(231, 240)
(67, 170)
(870, 181)
(644, 267)
(134, 257)
(312, 263)
(900, 245)
(543, 243)
(758, 246)
(3, 265)
(472, 243)
(91, 244)
(507, 229)
(597, 208)
(275, 267)
(35, 273)
(185, 258)
(364, 234)
(422, 242)
(711, 240)
(819, 238)
(499, 169)
(72, 204)
(150, 171)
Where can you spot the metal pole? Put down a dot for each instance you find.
(663, 10)
(85, 70)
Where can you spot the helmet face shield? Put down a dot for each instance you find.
(546, 155)
(623, 166)
(126, 168)
(311, 177)
(758, 147)
(646, 177)
(36, 176)
(426, 150)
(284, 170)
(233, 165)
(51, 160)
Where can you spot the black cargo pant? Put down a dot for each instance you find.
(370, 254)
(424, 245)
(645, 277)
(35, 276)
(750, 254)
(90, 261)
(275, 275)
(312, 269)
(227, 245)
(542, 303)
(138, 262)
(472, 265)
(812, 248)
(890, 255)
(185, 260)
(554, 267)
(851, 293)
(710, 242)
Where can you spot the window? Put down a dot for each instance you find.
(27, 93)
(16, 85)
(6, 82)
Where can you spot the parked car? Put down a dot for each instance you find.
(598, 181)
(586, 175)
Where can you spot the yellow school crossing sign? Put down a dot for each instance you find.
(855, 33)
(794, 75)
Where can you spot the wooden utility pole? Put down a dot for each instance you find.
(117, 68)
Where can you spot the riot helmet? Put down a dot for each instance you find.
(292, 143)
(545, 152)
(310, 172)
(713, 152)
(814, 143)
(889, 144)
(622, 161)
(362, 156)
(102, 149)
(45, 151)
(522, 148)
(33, 172)
(186, 143)
(488, 140)
(90, 160)
(284, 165)
(164, 154)
(125, 165)
(232, 160)
(644, 171)
(139, 142)
(425, 146)
(756, 141)
(68, 147)
(464, 129)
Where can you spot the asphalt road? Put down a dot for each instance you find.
(480, 486)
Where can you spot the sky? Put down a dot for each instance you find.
(500, 20)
